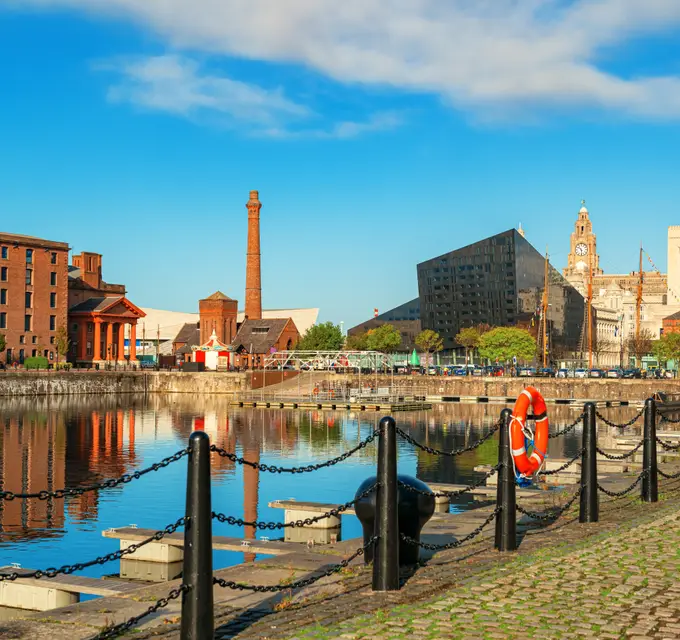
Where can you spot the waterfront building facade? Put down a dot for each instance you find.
(498, 281)
(405, 318)
(33, 296)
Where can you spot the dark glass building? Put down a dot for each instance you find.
(405, 318)
(498, 281)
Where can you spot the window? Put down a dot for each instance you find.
(28, 322)
(29, 299)
(34, 339)
(29, 276)
(29, 256)
(53, 323)
(3, 274)
(53, 257)
(3, 320)
(3, 253)
(22, 339)
(21, 356)
(90, 326)
(74, 328)
(261, 330)
(34, 353)
(9, 355)
(53, 300)
(3, 296)
(53, 278)
(51, 339)
(45, 353)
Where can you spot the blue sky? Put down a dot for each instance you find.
(379, 133)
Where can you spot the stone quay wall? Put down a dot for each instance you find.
(550, 388)
(234, 384)
(112, 382)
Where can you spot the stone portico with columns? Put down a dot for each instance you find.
(97, 330)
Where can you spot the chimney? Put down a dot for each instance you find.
(253, 280)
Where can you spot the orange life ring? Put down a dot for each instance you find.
(520, 433)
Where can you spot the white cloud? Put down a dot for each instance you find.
(476, 54)
(177, 85)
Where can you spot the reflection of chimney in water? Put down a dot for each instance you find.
(131, 434)
(251, 482)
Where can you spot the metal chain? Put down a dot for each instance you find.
(106, 484)
(68, 569)
(669, 476)
(663, 418)
(621, 457)
(220, 517)
(550, 515)
(312, 467)
(455, 452)
(667, 445)
(455, 543)
(452, 494)
(566, 465)
(305, 582)
(119, 629)
(618, 494)
(568, 428)
(631, 422)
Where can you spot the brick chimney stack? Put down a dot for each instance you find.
(253, 279)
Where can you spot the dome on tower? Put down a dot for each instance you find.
(583, 207)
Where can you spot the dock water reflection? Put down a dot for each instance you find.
(50, 443)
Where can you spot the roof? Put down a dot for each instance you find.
(213, 344)
(218, 295)
(255, 341)
(96, 304)
(189, 334)
(101, 304)
(10, 238)
(674, 316)
(303, 318)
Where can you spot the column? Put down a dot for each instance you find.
(97, 346)
(81, 354)
(108, 347)
(121, 342)
(133, 342)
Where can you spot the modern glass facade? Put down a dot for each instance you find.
(497, 281)
(405, 318)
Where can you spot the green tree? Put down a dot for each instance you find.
(469, 338)
(503, 343)
(356, 342)
(429, 341)
(322, 337)
(3, 342)
(667, 348)
(62, 342)
(384, 338)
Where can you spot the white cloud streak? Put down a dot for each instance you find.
(480, 55)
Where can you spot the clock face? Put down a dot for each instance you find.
(581, 249)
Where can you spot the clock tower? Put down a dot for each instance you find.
(583, 250)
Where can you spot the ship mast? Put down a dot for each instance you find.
(545, 311)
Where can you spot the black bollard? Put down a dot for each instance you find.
(386, 556)
(590, 501)
(197, 602)
(506, 523)
(650, 481)
(414, 510)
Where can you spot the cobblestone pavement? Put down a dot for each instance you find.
(611, 579)
(621, 584)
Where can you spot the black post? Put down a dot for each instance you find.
(197, 602)
(386, 556)
(506, 523)
(590, 501)
(650, 481)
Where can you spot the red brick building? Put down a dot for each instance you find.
(99, 313)
(33, 296)
(218, 314)
(671, 324)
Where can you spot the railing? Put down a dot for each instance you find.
(196, 589)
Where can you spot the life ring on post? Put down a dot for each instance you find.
(522, 437)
